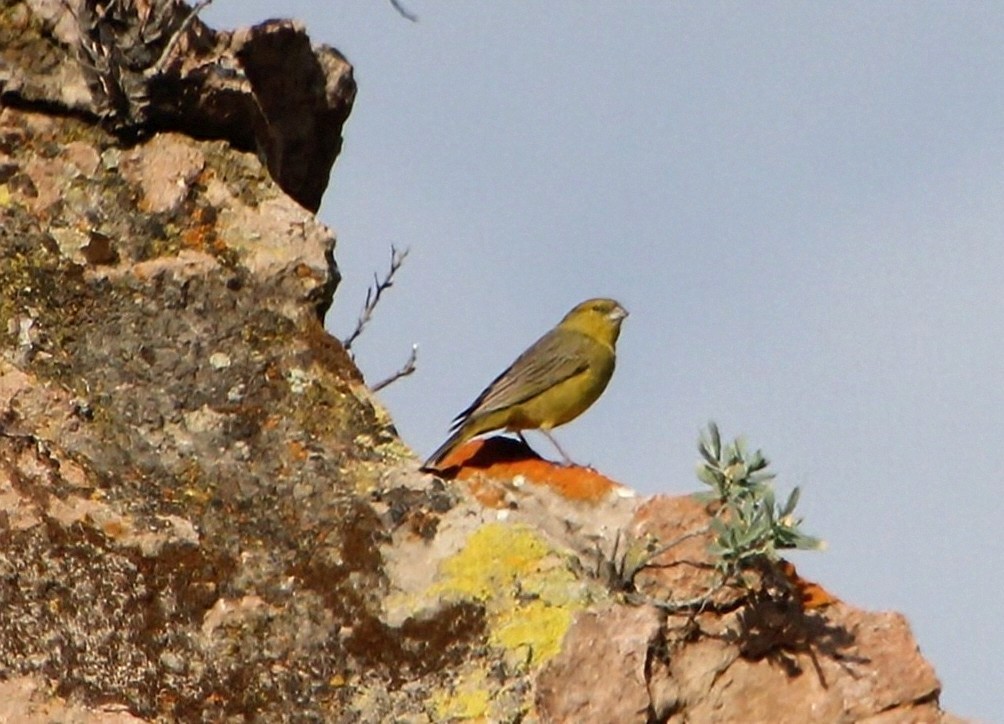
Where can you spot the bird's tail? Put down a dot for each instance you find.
(459, 435)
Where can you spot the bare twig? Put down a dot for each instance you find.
(646, 562)
(403, 11)
(694, 606)
(405, 370)
(621, 568)
(373, 295)
(182, 29)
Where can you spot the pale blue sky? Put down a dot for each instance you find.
(801, 204)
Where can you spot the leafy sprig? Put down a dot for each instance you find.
(750, 524)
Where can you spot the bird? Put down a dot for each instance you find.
(554, 381)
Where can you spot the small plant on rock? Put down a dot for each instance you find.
(749, 525)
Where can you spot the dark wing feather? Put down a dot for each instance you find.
(555, 357)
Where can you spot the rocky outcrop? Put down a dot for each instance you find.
(146, 66)
(205, 516)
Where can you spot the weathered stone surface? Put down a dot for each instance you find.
(28, 701)
(737, 657)
(143, 66)
(204, 515)
(174, 538)
(602, 672)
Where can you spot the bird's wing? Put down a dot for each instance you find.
(552, 359)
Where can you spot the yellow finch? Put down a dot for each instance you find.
(552, 382)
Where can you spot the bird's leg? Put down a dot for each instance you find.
(522, 439)
(549, 436)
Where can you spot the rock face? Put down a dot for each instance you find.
(204, 515)
(142, 66)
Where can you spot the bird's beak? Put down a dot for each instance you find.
(618, 314)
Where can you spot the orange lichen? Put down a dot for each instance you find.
(195, 237)
(297, 450)
(114, 528)
(490, 493)
(812, 594)
(502, 458)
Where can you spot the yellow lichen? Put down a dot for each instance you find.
(529, 590)
(494, 559)
(468, 701)
(534, 629)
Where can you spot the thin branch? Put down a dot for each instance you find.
(373, 295)
(405, 370)
(623, 571)
(694, 606)
(182, 29)
(647, 562)
(403, 11)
